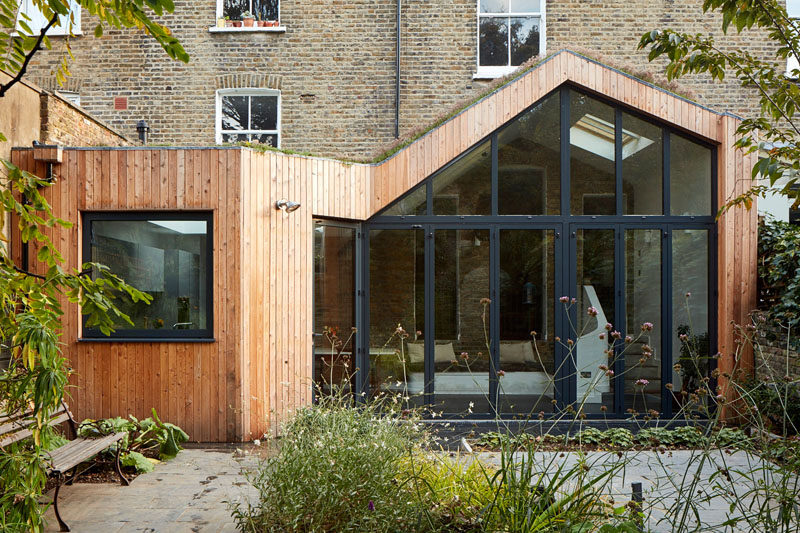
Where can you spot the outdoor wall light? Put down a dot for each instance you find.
(286, 205)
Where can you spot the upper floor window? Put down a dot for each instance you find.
(793, 10)
(251, 115)
(35, 20)
(260, 9)
(509, 33)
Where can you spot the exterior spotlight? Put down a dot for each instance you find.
(286, 205)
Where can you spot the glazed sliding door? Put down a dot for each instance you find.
(461, 300)
(526, 301)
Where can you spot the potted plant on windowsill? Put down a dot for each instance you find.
(248, 19)
(222, 22)
(236, 23)
(262, 23)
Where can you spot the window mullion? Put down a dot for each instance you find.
(508, 31)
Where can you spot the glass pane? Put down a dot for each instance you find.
(411, 204)
(527, 288)
(397, 300)
(690, 177)
(494, 6)
(524, 6)
(595, 275)
(524, 39)
(643, 385)
(593, 180)
(529, 162)
(461, 354)
(234, 113)
(265, 9)
(642, 172)
(264, 112)
(234, 8)
(334, 306)
(235, 137)
(690, 319)
(465, 187)
(164, 258)
(493, 42)
(269, 139)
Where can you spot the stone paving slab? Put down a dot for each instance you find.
(188, 494)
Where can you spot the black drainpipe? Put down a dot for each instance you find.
(397, 78)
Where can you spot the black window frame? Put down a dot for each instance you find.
(153, 335)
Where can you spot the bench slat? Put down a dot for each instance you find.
(17, 430)
(78, 450)
(11, 438)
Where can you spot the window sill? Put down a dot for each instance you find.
(250, 29)
(491, 73)
(147, 340)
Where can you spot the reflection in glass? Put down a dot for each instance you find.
(462, 283)
(397, 298)
(465, 187)
(529, 162)
(524, 6)
(334, 306)
(524, 39)
(690, 318)
(643, 385)
(264, 112)
(690, 177)
(527, 288)
(235, 113)
(414, 203)
(642, 173)
(494, 6)
(591, 136)
(595, 276)
(167, 259)
(493, 49)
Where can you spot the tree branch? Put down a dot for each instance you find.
(16, 79)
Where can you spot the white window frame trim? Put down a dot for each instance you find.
(221, 9)
(247, 91)
(792, 63)
(487, 72)
(56, 31)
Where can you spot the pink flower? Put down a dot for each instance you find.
(642, 382)
(592, 311)
(609, 327)
(564, 299)
(501, 373)
(602, 335)
(647, 326)
(609, 373)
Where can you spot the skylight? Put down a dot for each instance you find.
(596, 135)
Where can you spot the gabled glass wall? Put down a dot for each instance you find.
(543, 267)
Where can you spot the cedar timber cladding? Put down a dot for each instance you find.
(259, 367)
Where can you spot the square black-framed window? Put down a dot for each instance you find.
(168, 255)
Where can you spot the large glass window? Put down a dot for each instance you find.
(249, 115)
(166, 255)
(509, 33)
(334, 306)
(544, 284)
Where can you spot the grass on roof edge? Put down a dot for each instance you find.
(408, 138)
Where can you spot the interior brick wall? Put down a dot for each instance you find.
(335, 65)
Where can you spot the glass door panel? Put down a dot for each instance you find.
(397, 312)
(690, 339)
(643, 385)
(592, 157)
(334, 306)
(595, 276)
(462, 315)
(526, 300)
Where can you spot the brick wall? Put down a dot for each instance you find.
(335, 65)
(65, 124)
(773, 360)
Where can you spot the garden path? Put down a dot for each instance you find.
(187, 494)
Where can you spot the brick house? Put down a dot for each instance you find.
(573, 179)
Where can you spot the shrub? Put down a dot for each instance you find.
(336, 469)
(779, 271)
(655, 437)
(689, 436)
(588, 436)
(620, 437)
(778, 403)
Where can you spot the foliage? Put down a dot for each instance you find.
(778, 403)
(31, 296)
(142, 435)
(779, 271)
(588, 436)
(335, 470)
(775, 133)
(619, 437)
(138, 461)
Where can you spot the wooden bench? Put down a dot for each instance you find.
(15, 427)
